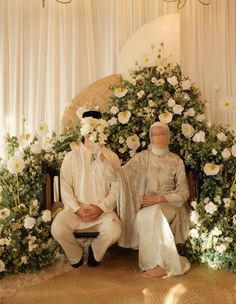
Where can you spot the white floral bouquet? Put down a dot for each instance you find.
(96, 130)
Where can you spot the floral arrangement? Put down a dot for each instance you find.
(213, 238)
(94, 129)
(26, 244)
(153, 92)
(161, 92)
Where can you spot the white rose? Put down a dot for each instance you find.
(154, 80)
(190, 112)
(36, 147)
(46, 217)
(114, 109)
(172, 80)
(140, 94)
(112, 121)
(210, 208)
(216, 231)
(165, 117)
(187, 130)
(194, 233)
(133, 142)
(227, 202)
(213, 151)
(200, 117)
(199, 136)
(226, 153)
(160, 82)
(49, 157)
(160, 69)
(171, 102)
(217, 199)
(221, 136)
(29, 222)
(178, 109)
(186, 84)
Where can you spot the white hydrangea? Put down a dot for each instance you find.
(221, 248)
(210, 208)
(194, 233)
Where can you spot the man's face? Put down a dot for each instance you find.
(159, 137)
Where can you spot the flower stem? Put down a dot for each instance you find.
(10, 189)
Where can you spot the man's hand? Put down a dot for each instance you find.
(89, 213)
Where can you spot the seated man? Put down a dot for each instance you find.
(89, 198)
(153, 190)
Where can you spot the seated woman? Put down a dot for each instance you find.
(152, 191)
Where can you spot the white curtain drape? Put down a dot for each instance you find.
(208, 53)
(48, 55)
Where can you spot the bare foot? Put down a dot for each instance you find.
(154, 273)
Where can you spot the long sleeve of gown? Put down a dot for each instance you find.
(181, 193)
(67, 192)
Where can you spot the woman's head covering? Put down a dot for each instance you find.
(154, 149)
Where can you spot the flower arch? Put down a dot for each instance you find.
(162, 92)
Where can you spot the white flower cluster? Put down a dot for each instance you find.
(94, 129)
